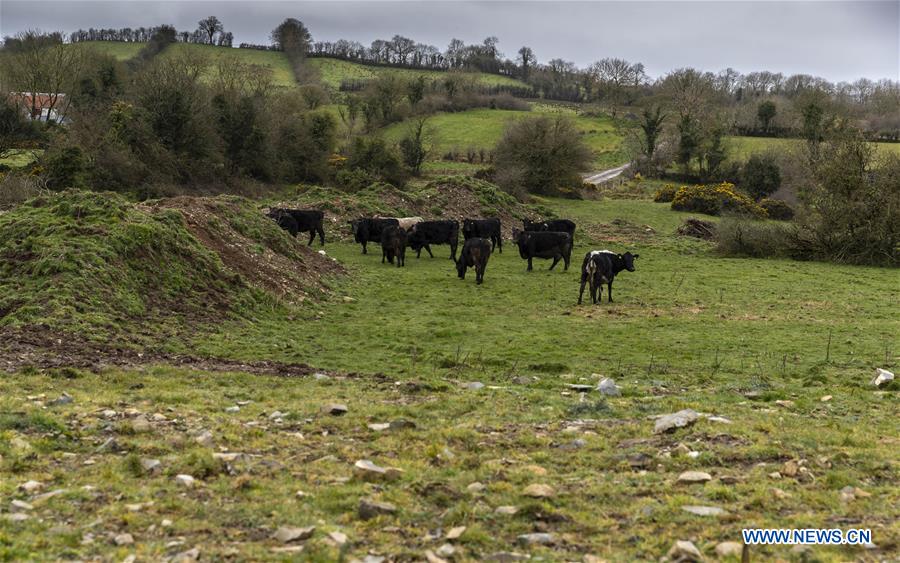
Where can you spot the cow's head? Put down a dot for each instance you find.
(355, 227)
(629, 259)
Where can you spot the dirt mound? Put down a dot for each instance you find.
(250, 244)
(697, 228)
(448, 197)
(619, 231)
(97, 266)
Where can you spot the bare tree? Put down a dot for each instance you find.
(42, 64)
(526, 61)
(210, 27)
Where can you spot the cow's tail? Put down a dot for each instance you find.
(591, 272)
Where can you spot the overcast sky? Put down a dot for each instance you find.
(839, 40)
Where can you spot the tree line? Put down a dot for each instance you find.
(209, 31)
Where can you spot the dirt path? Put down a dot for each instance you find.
(605, 175)
(41, 349)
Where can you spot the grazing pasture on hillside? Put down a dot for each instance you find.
(498, 431)
(481, 129)
(334, 71)
(742, 147)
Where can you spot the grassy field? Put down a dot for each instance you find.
(17, 158)
(333, 71)
(740, 148)
(121, 50)
(482, 129)
(783, 350)
(281, 69)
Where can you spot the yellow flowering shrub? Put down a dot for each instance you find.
(665, 194)
(715, 200)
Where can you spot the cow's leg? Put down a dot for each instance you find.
(597, 296)
(453, 251)
(479, 274)
(461, 269)
(383, 255)
(321, 231)
(609, 292)
(555, 262)
(428, 248)
(312, 236)
(529, 264)
(364, 247)
(581, 291)
(500, 243)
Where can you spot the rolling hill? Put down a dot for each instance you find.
(482, 128)
(333, 71)
(281, 68)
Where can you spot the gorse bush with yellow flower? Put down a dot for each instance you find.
(665, 194)
(715, 200)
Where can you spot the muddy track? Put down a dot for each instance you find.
(42, 349)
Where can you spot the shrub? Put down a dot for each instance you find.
(16, 188)
(756, 239)
(715, 200)
(777, 209)
(761, 176)
(377, 159)
(353, 180)
(665, 194)
(543, 155)
(65, 168)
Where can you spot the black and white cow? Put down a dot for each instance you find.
(475, 254)
(601, 266)
(484, 228)
(305, 221)
(554, 225)
(393, 245)
(424, 234)
(369, 229)
(556, 245)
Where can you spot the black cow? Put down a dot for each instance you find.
(369, 229)
(484, 228)
(556, 245)
(284, 220)
(393, 245)
(554, 225)
(307, 221)
(426, 233)
(601, 266)
(475, 253)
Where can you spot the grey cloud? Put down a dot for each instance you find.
(838, 40)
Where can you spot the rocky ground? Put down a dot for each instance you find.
(161, 463)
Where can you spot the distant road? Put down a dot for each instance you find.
(603, 176)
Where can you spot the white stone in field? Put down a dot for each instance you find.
(694, 477)
(882, 376)
(184, 480)
(205, 438)
(680, 419)
(539, 491)
(124, 539)
(31, 486)
(704, 510)
(537, 539)
(729, 549)
(287, 534)
(608, 387)
(683, 550)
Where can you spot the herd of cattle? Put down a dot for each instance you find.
(543, 239)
